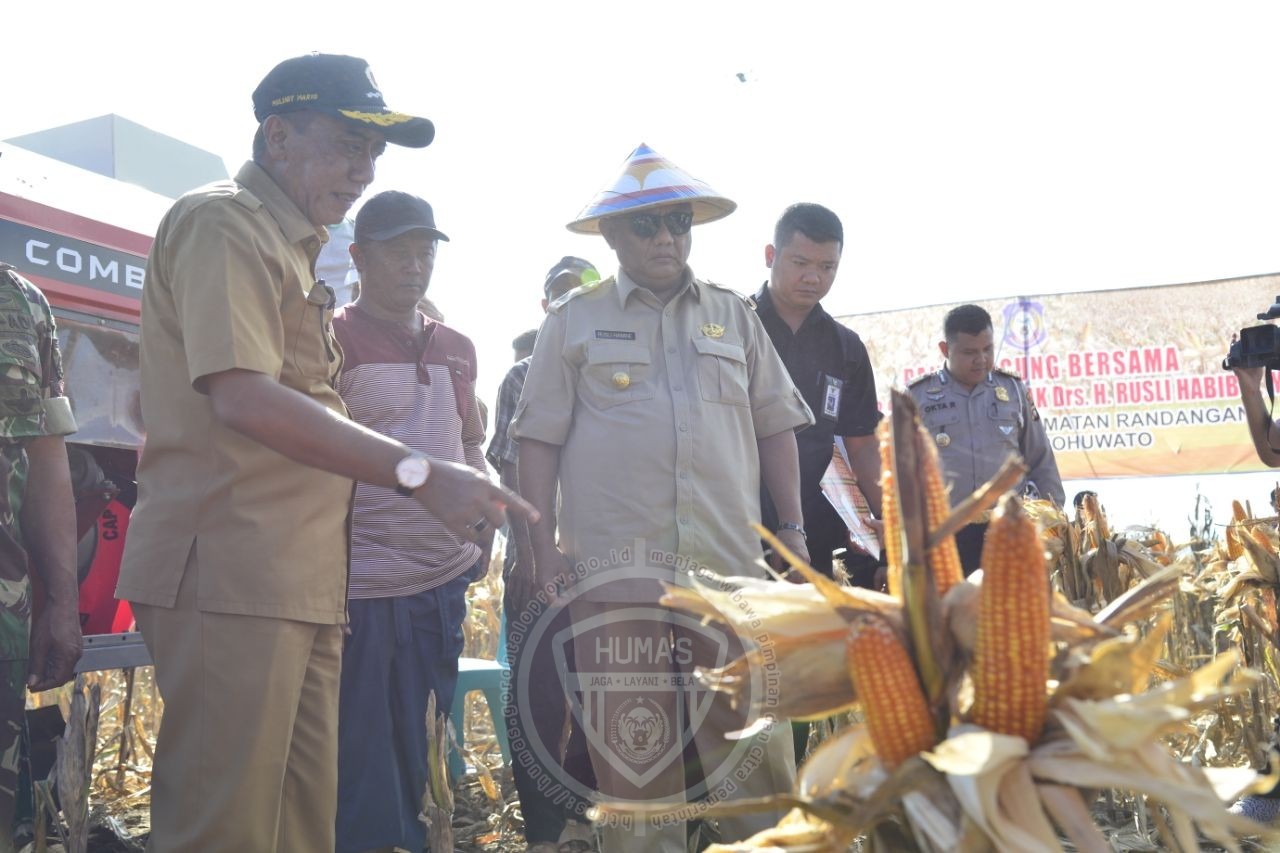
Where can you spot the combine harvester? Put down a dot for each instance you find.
(83, 239)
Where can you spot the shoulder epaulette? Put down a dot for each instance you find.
(751, 303)
(1004, 372)
(243, 197)
(580, 290)
(932, 374)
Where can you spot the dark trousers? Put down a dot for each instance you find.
(545, 801)
(969, 543)
(399, 650)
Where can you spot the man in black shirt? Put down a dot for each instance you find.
(828, 363)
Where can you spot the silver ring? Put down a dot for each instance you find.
(480, 526)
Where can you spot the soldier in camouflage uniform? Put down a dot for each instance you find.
(37, 521)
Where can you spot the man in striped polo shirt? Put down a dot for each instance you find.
(411, 378)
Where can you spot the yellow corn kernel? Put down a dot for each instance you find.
(944, 558)
(1011, 655)
(887, 685)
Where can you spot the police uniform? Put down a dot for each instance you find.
(975, 431)
(829, 365)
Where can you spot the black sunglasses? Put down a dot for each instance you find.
(645, 225)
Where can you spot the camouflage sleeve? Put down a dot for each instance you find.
(32, 400)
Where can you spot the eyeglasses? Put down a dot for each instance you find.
(646, 225)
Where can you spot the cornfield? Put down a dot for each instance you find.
(1084, 691)
(1087, 690)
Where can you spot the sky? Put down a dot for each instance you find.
(973, 150)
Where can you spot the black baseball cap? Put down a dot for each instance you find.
(392, 213)
(340, 86)
(567, 264)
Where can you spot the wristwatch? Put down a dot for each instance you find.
(412, 473)
(791, 525)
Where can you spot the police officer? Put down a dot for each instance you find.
(978, 414)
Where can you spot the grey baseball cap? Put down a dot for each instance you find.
(392, 213)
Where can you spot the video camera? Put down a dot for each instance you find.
(1257, 346)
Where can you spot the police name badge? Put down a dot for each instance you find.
(1001, 394)
(831, 396)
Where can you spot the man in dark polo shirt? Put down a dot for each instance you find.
(828, 364)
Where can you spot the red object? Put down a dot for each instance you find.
(100, 611)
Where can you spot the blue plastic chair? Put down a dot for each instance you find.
(485, 676)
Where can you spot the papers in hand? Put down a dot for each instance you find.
(841, 488)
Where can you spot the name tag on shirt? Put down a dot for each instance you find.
(614, 335)
(831, 396)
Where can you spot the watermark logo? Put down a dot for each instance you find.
(635, 694)
(640, 730)
(624, 673)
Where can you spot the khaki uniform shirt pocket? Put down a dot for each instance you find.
(616, 372)
(722, 372)
(315, 352)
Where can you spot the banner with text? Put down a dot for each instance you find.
(1129, 383)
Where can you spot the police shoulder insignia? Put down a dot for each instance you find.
(922, 377)
(581, 289)
(1006, 372)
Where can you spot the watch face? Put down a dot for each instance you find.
(411, 471)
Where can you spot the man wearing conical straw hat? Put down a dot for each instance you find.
(657, 405)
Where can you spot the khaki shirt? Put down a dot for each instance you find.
(658, 409)
(229, 285)
(975, 431)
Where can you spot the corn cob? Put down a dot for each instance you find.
(1260, 536)
(1098, 532)
(1011, 662)
(890, 512)
(889, 689)
(1238, 511)
(944, 558)
(1235, 550)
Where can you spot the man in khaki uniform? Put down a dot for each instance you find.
(236, 561)
(657, 404)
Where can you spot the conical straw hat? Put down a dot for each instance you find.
(650, 180)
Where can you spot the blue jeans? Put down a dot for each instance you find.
(398, 651)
